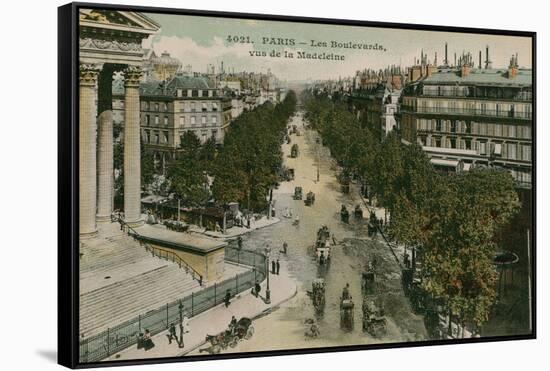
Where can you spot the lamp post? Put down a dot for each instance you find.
(267, 291)
(180, 341)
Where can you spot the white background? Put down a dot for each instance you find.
(28, 194)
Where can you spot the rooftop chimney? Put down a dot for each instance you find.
(488, 63)
(446, 61)
(480, 59)
(513, 67)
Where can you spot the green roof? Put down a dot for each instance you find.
(487, 77)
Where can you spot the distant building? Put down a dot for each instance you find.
(184, 103)
(160, 68)
(375, 104)
(465, 116)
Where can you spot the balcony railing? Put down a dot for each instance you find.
(470, 112)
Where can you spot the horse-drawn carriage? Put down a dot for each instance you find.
(298, 193)
(344, 214)
(310, 199)
(374, 320)
(243, 329)
(367, 281)
(294, 151)
(346, 314)
(288, 174)
(317, 294)
(322, 245)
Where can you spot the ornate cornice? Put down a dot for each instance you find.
(89, 74)
(116, 45)
(132, 76)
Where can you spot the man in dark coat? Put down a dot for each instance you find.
(273, 267)
(172, 333)
(227, 298)
(277, 266)
(257, 288)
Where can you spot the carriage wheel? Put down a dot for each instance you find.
(234, 341)
(249, 333)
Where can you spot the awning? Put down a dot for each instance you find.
(443, 162)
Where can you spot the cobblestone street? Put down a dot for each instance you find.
(284, 328)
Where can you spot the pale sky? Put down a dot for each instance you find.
(200, 41)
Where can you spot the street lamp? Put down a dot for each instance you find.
(180, 342)
(267, 291)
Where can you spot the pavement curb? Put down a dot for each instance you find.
(262, 313)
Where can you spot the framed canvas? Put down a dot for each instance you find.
(240, 185)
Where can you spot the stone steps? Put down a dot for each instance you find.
(124, 300)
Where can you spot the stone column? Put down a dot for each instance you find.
(87, 150)
(105, 181)
(105, 166)
(132, 152)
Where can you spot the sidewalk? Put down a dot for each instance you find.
(217, 319)
(234, 232)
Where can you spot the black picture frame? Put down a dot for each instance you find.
(68, 213)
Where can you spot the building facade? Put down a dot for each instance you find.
(169, 109)
(465, 116)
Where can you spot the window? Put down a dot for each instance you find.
(468, 128)
(147, 119)
(165, 136)
(165, 107)
(189, 92)
(438, 142)
(147, 136)
(526, 152)
(214, 106)
(156, 120)
(438, 125)
(453, 127)
(157, 138)
(192, 105)
(214, 134)
(452, 142)
(182, 121)
(204, 107)
(203, 120)
(193, 120)
(467, 143)
(166, 120)
(156, 106)
(482, 148)
(214, 120)
(200, 93)
(180, 93)
(498, 130)
(210, 93)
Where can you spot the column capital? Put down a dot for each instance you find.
(132, 76)
(89, 74)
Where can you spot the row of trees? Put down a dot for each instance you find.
(243, 169)
(451, 219)
(250, 161)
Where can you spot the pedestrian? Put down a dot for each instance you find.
(273, 267)
(278, 266)
(257, 288)
(227, 298)
(147, 341)
(172, 333)
(285, 246)
(240, 242)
